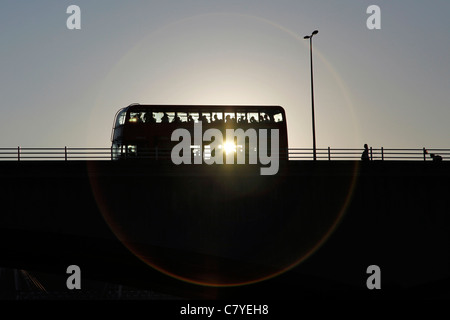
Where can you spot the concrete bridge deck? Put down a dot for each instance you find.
(312, 229)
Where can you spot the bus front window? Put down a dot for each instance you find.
(121, 118)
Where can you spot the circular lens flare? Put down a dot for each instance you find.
(236, 191)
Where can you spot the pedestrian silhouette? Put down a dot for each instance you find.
(433, 156)
(365, 154)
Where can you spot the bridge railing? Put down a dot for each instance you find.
(66, 154)
(374, 154)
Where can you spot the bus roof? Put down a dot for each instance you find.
(204, 108)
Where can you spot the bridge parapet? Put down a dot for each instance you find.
(375, 154)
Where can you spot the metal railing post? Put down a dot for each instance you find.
(111, 152)
(371, 154)
(424, 154)
(18, 153)
(329, 153)
(65, 153)
(382, 153)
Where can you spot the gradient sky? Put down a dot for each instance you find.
(387, 87)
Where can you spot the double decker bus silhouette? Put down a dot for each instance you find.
(208, 134)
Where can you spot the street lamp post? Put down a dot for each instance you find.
(312, 92)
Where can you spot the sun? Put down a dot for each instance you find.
(229, 147)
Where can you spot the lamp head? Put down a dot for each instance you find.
(306, 37)
(315, 32)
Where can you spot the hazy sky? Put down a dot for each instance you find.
(387, 87)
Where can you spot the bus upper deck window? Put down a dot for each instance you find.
(230, 117)
(205, 117)
(217, 117)
(158, 116)
(182, 116)
(149, 117)
(265, 117)
(278, 117)
(193, 117)
(241, 117)
(253, 117)
(170, 116)
(135, 117)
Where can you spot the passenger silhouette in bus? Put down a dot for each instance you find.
(148, 118)
(268, 119)
(204, 119)
(165, 118)
(365, 154)
(176, 119)
(252, 120)
(190, 119)
(242, 119)
(216, 119)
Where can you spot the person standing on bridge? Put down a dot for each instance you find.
(365, 154)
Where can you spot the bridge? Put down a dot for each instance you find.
(204, 231)
(74, 153)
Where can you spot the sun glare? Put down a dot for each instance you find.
(229, 147)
